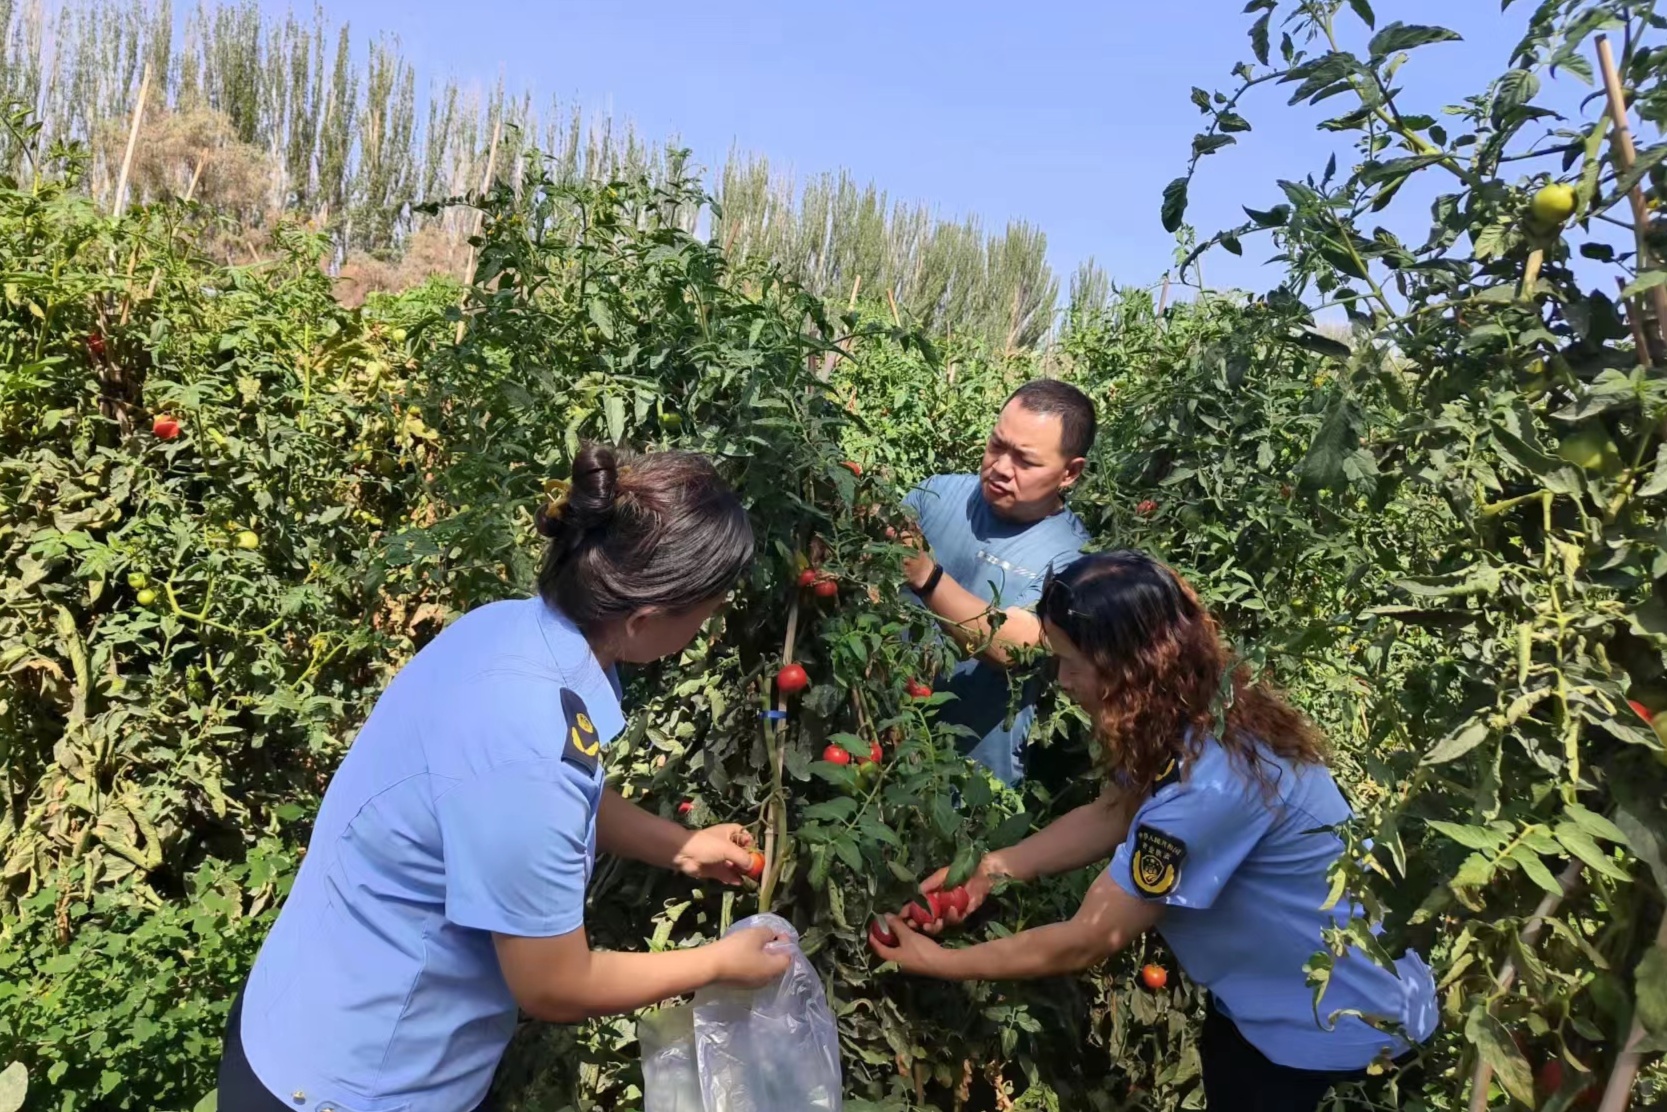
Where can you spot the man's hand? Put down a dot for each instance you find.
(716, 853)
(917, 568)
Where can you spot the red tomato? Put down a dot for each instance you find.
(826, 587)
(686, 806)
(808, 577)
(923, 912)
(880, 932)
(95, 345)
(957, 899)
(792, 679)
(917, 690)
(164, 428)
(755, 866)
(853, 467)
(1640, 709)
(875, 753)
(833, 754)
(1147, 508)
(1154, 977)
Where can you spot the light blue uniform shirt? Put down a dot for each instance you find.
(1244, 878)
(466, 806)
(1001, 562)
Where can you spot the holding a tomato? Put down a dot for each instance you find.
(1222, 844)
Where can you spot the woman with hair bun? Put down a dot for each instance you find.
(444, 886)
(1221, 841)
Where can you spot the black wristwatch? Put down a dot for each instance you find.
(931, 583)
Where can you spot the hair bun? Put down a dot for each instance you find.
(595, 486)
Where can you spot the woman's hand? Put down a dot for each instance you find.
(720, 852)
(913, 953)
(743, 960)
(978, 887)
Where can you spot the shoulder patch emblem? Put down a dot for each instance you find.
(1171, 774)
(584, 746)
(1156, 861)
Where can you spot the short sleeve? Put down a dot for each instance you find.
(925, 497)
(517, 849)
(1187, 840)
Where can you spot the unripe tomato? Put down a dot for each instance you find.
(1154, 977)
(1553, 204)
(247, 540)
(826, 587)
(137, 580)
(833, 754)
(792, 679)
(880, 932)
(808, 577)
(671, 422)
(146, 597)
(755, 865)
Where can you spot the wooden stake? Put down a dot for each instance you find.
(896, 317)
(1635, 318)
(1625, 156)
(1618, 1092)
(120, 200)
(479, 218)
(856, 287)
(1566, 881)
(1163, 295)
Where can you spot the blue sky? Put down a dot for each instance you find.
(1070, 115)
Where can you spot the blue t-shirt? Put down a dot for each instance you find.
(466, 806)
(1004, 563)
(1244, 878)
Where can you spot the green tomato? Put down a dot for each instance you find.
(137, 580)
(147, 597)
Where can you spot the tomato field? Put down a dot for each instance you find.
(231, 506)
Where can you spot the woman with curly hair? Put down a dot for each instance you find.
(1220, 839)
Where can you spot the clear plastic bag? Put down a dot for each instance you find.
(773, 1049)
(671, 1079)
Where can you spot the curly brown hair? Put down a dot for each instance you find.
(1161, 664)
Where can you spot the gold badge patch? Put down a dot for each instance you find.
(584, 746)
(1156, 861)
(1171, 774)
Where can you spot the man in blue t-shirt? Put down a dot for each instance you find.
(989, 541)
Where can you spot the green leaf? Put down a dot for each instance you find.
(1536, 870)
(1650, 990)
(1400, 36)
(1259, 38)
(1580, 843)
(1364, 11)
(964, 865)
(1174, 204)
(1497, 1049)
(1657, 482)
(1594, 824)
(1458, 743)
(614, 407)
(1645, 282)
(1515, 89)
(602, 316)
(1276, 217)
(1209, 144)
(1322, 467)
(1470, 837)
(1009, 831)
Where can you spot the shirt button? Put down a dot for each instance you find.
(298, 1097)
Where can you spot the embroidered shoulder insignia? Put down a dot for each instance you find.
(584, 746)
(1156, 861)
(1171, 774)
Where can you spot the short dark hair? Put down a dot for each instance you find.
(1053, 398)
(660, 529)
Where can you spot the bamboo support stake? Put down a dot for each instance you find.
(896, 317)
(856, 288)
(1635, 318)
(1163, 296)
(1625, 156)
(1566, 881)
(775, 829)
(1618, 1092)
(120, 200)
(480, 217)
